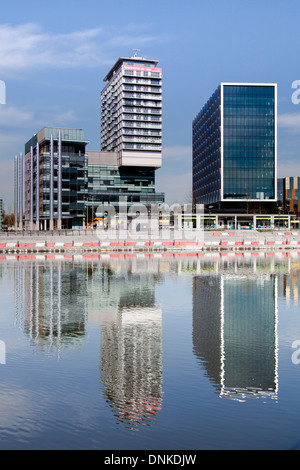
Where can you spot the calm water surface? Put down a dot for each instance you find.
(150, 352)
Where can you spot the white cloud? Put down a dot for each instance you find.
(59, 117)
(26, 46)
(11, 116)
(290, 121)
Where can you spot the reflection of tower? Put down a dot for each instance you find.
(131, 364)
(234, 333)
(50, 305)
(131, 345)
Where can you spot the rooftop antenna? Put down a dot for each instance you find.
(135, 52)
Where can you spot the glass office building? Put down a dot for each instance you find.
(235, 145)
(109, 183)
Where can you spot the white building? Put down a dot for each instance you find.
(131, 112)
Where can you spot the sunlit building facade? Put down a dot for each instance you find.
(131, 137)
(290, 194)
(55, 179)
(58, 184)
(131, 112)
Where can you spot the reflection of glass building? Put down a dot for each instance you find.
(234, 333)
(235, 145)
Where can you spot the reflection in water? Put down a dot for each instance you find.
(235, 298)
(131, 364)
(235, 333)
(51, 305)
(290, 286)
(55, 300)
(123, 300)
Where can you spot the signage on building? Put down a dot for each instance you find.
(141, 69)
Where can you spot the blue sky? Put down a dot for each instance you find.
(54, 56)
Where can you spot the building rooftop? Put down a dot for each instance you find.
(67, 134)
(134, 59)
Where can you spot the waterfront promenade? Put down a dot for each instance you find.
(91, 241)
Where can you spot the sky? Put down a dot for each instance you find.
(55, 55)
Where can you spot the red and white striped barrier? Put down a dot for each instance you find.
(213, 244)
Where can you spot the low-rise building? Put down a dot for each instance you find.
(109, 183)
(289, 195)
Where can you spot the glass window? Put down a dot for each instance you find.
(249, 144)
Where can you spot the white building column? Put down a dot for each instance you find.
(21, 195)
(37, 202)
(16, 191)
(51, 225)
(59, 184)
(31, 227)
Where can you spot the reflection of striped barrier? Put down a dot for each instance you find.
(209, 255)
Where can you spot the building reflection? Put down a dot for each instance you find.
(54, 302)
(289, 286)
(235, 333)
(123, 301)
(234, 319)
(51, 305)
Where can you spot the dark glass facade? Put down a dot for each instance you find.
(234, 145)
(109, 183)
(207, 152)
(248, 142)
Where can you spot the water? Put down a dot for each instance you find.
(150, 352)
